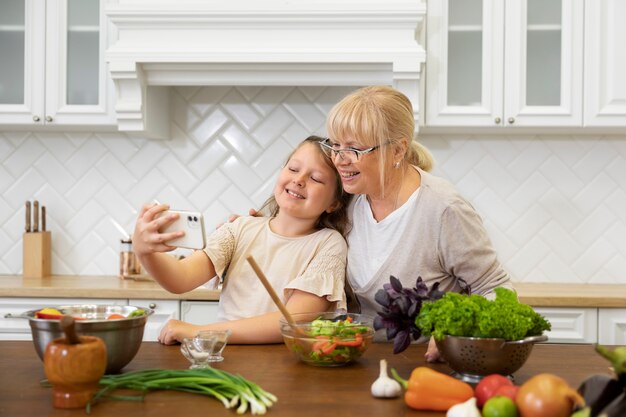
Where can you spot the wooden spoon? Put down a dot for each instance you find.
(273, 294)
(67, 325)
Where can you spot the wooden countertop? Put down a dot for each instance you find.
(572, 295)
(302, 390)
(73, 286)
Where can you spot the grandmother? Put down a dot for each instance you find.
(405, 221)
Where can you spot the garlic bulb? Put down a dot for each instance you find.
(384, 386)
(466, 409)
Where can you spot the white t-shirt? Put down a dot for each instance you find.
(371, 242)
(314, 263)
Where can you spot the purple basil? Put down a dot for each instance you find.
(401, 306)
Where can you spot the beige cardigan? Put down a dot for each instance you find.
(444, 240)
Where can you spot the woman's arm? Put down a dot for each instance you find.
(253, 330)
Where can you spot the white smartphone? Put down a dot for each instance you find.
(192, 223)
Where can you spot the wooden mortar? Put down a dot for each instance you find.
(74, 366)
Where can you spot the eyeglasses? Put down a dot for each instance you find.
(349, 154)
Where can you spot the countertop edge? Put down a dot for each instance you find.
(77, 286)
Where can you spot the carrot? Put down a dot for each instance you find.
(428, 389)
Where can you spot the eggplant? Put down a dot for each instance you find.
(617, 408)
(599, 391)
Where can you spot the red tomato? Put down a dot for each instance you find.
(115, 316)
(507, 391)
(487, 387)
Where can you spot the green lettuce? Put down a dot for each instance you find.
(474, 316)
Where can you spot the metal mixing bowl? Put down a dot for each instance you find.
(122, 337)
(472, 358)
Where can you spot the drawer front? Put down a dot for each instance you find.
(164, 310)
(199, 312)
(571, 325)
(12, 327)
(612, 326)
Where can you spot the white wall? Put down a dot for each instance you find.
(555, 207)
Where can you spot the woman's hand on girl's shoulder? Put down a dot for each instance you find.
(235, 216)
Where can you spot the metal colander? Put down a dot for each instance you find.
(471, 358)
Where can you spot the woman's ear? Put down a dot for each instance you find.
(399, 151)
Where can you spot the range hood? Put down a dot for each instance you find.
(163, 43)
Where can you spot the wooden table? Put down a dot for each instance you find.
(302, 390)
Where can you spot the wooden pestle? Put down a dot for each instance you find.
(68, 327)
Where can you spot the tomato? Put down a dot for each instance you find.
(499, 406)
(507, 391)
(487, 387)
(115, 316)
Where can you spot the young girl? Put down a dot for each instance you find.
(299, 247)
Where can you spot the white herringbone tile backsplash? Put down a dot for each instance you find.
(555, 206)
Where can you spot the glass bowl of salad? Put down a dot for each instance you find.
(328, 339)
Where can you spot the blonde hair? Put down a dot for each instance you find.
(375, 116)
(337, 219)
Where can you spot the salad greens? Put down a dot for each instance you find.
(474, 316)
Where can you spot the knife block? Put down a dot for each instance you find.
(37, 254)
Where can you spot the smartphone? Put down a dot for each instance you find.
(192, 223)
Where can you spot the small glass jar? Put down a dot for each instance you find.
(129, 264)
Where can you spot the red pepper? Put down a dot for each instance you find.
(358, 341)
(329, 348)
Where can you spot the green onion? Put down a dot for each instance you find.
(231, 390)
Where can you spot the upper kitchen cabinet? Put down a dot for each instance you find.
(53, 71)
(605, 63)
(505, 64)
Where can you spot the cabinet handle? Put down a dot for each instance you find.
(36, 118)
(511, 120)
(152, 306)
(49, 118)
(497, 120)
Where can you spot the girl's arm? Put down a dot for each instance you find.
(174, 275)
(254, 330)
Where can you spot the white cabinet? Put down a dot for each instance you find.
(164, 310)
(605, 63)
(571, 325)
(496, 63)
(14, 327)
(53, 71)
(612, 326)
(199, 312)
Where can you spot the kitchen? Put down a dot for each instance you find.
(550, 185)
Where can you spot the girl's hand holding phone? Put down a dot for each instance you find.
(161, 230)
(147, 238)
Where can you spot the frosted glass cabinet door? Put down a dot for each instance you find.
(544, 62)
(22, 65)
(504, 63)
(79, 90)
(53, 70)
(464, 62)
(12, 49)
